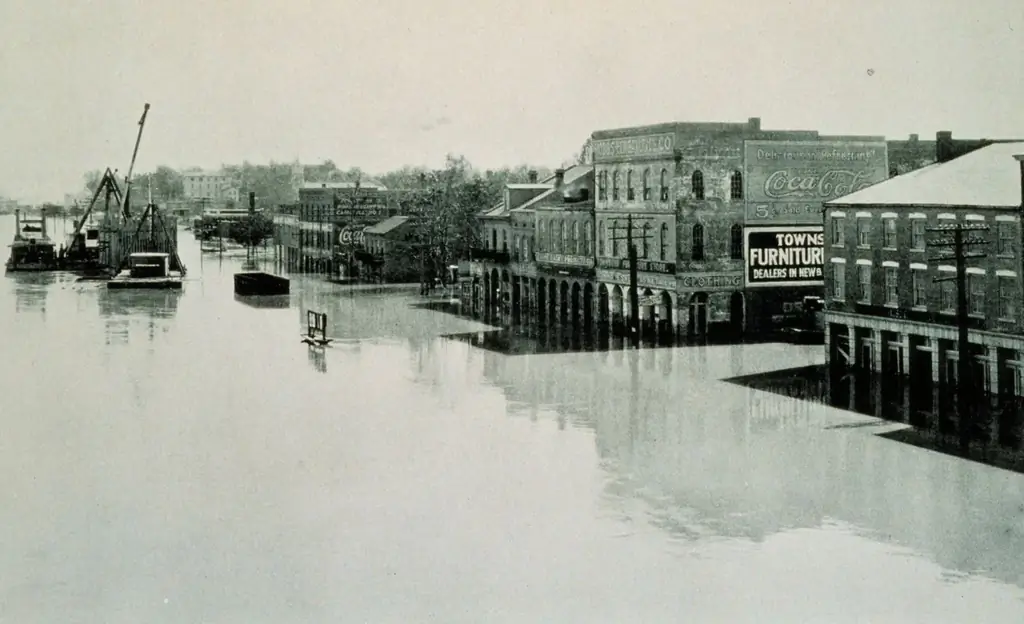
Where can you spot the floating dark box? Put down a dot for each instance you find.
(259, 283)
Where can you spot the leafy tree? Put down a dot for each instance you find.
(262, 228)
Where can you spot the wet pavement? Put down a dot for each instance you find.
(171, 457)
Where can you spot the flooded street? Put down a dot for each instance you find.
(183, 457)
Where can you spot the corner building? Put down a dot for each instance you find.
(684, 186)
(884, 311)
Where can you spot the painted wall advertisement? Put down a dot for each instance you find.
(788, 181)
(785, 256)
(634, 147)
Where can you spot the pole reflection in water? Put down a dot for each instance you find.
(318, 358)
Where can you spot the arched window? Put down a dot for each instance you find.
(562, 246)
(629, 186)
(531, 249)
(602, 185)
(647, 184)
(515, 247)
(600, 240)
(664, 185)
(615, 186)
(697, 182)
(504, 241)
(541, 231)
(494, 239)
(663, 241)
(736, 241)
(574, 246)
(552, 236)
(613, 237)
(697, 245)
(588, 239)
(736, 185)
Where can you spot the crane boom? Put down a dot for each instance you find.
(126, 209)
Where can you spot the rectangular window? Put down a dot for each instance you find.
(864, 232)
(890, 233)
(864, 274)
(891, 284)
(976, 293)
(947, 301)
(920, 288)
(917, 234)
(1007, 297)
(1006, 235)
(839, 281)
(837, 231)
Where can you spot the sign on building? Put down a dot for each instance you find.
(650, 145)
(352, 236)
(785, 256)
(789, 181)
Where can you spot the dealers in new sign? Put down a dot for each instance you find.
(777, 256)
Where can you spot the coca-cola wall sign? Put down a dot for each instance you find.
(785, 256)
(789, 181)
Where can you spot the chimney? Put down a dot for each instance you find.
(943, 146)
(754, 123)
(531, 175)
(913, 138)
(1020, 160)
(559, 178)
(17, 222)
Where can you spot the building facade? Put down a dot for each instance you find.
(885, 312)
(207, 185)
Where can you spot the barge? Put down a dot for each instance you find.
(148, 270)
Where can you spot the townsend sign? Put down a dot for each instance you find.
(785, 256)
(789, 181)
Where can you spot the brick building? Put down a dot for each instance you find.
(884, 312)
(686, 188)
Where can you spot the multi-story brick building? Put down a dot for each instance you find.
(694, 193)
(884, 312)
(906, 155)
(208, 185)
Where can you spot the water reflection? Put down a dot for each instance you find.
(265, 302)
(700, 458)
(318, 358)
(997, 433)
(31, 290)
(156, 304)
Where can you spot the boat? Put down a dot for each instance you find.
(147, 270)
(83, 250)
(32, 249)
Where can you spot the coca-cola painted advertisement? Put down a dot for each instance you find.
(786, 182)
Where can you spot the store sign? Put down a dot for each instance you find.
(785, 256)
(645, 280)
(710, 282)
(642, 266)
(352, 235)
(789, 181)
(632, 147)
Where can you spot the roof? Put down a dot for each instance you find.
(363, 184)
(986, 177)
(387, 225)
(572, 174)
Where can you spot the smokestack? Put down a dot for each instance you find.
(17, 222)
(252, 202)
(913, 138)
(754, 123)
(42, 221)
(559, 178)
(532, 176)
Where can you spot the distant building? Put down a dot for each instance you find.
(208, 185)
(884, 312)
(912, 153)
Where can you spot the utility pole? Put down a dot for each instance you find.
(634, 295)
(959, 244)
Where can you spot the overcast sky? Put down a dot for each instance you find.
(383, 83)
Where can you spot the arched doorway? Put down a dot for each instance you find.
(487, 292)
(698, 324)
(516, 298)
(616, 307)
(602, 307)
(647, 321)
(552, 299)
(505, 297)
(577, 298)
(542, 300)
(495, 291)
(588, 306)
(563, 303)
(665, 321)
(736, 312)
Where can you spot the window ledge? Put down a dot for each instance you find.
(919, 308)
(948, 312)
(889, 248)
(891, 306)
(1005, 256)
(975, 315)
(859, 246)
(1003, 319)
(916, 250)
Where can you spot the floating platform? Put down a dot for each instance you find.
(255, 283)
(124, 279)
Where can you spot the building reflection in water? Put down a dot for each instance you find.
(120, 308)
(998, 421)
(266, 302)
(31, 290)
(703, 458)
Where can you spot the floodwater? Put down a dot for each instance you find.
(185, 458)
